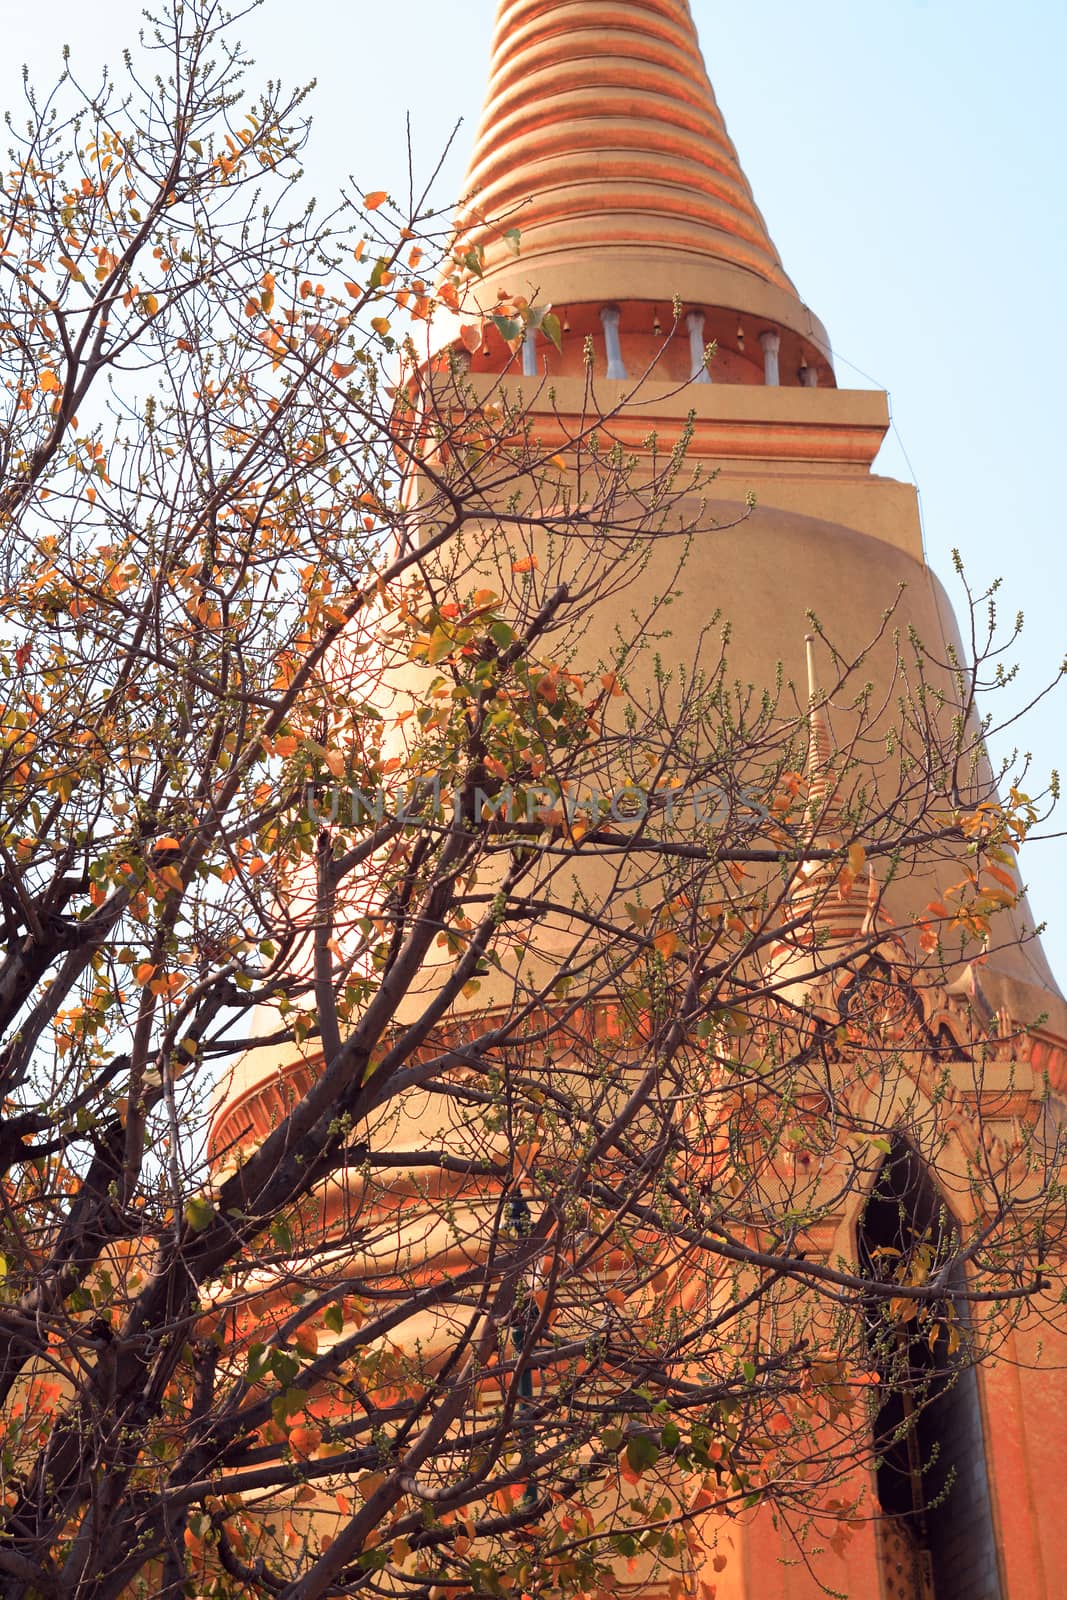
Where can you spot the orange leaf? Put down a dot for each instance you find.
(527, 564)
(373, 200)
(307, 1341)
(48, 381)
(471, 336)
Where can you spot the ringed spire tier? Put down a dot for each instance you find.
(602, 143)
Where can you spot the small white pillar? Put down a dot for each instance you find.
(698, 372)
(609, 316)
(809, 377)
(529, 354)
(771, 342)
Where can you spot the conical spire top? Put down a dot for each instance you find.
(602, 142)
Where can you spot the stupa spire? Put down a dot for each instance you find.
(602, 142)
(839, 912)
(823, 802)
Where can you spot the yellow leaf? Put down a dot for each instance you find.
(640, 916)
(856, 857)
(380, 325)
(666, 943)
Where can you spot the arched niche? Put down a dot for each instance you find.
(937, 1539)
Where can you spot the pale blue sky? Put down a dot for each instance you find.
(908, 156)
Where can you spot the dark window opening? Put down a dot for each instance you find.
(937, 1539)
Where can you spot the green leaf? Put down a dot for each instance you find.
(335, 1317)
(199, 1214)
(284, 1366)
(509, 328)
(295, 1400)
(641, 1452)
(501, 635)
(550, 327)
(281, 1234)
(512, 238)
(474, 260)
(258, 1362)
